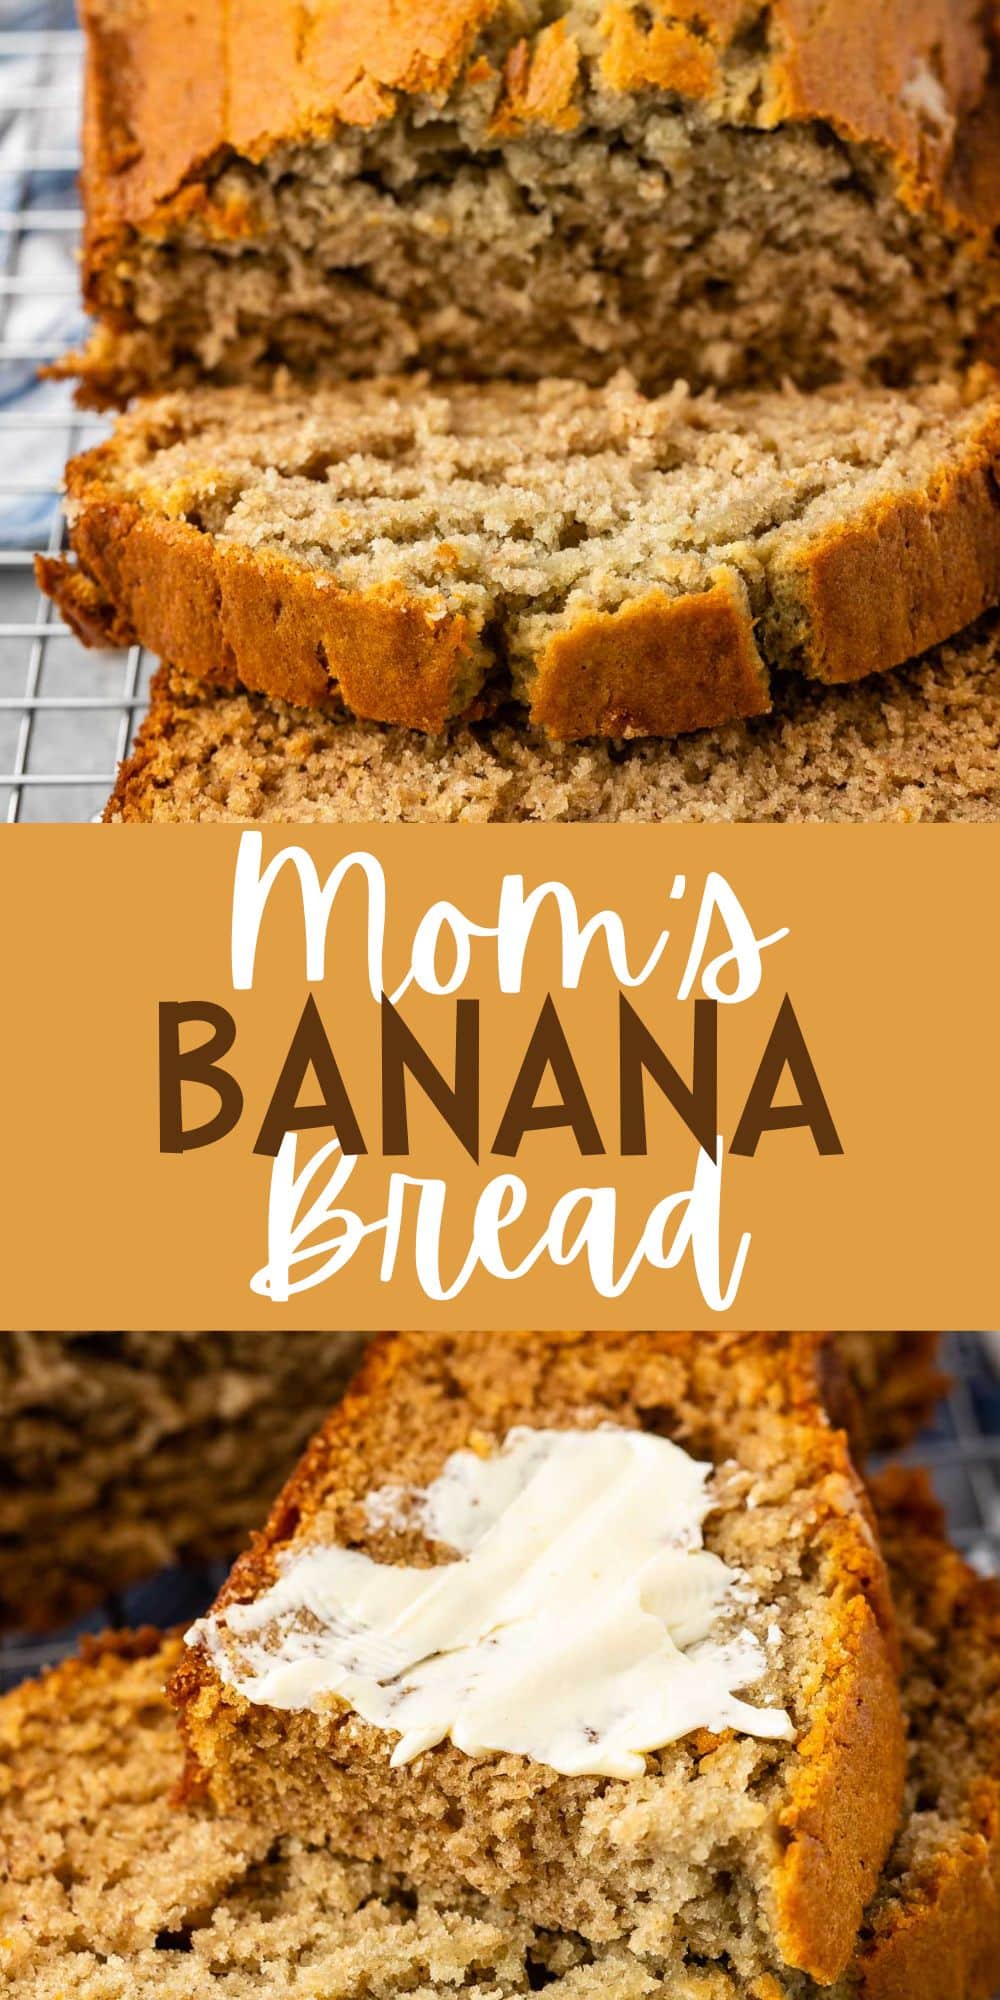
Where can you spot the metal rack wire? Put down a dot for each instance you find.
(962, 1452)
(66, 715)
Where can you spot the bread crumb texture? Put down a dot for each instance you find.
(724, 191)
(108, 1891)
(921, 745)
(620, 565)
(762, 1853)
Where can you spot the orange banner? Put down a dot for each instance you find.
(532, 1076)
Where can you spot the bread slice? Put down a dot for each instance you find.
(921, 746)
(621, 565)
(729, 192)
(109, 1892)
(123, 1452)
(729, 1845)
(895, 1382)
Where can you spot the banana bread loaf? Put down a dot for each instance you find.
(621, 565)
(123, 1452)
(762, 1850)
(923, 745)
(733, 190)
(108, 1892)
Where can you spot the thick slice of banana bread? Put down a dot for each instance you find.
(620, 565)
(731, 190)
(762, 1851)
(122, 1452)
(923, 745)
(108, 1892)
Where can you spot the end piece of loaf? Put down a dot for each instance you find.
(763, 1852)
(620, 565)
(729, 193)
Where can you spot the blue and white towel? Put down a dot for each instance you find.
(40, 310)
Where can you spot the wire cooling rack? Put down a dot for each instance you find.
(66, 715)
(962, 1452)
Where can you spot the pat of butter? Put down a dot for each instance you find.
(581, 1623)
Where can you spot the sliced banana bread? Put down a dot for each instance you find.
(731, 190)
(123, 1452)
(923, 745)
(762, 1850)
(109, 1892)
(621, 565)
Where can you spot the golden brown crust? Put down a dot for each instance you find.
(971, 192)
(173, 97)
(946, 1946)
(920, 747)
(138, 773)
(788, 1370)
(859, 70)
(235, 617)
(915, 569)
(87, 609)
(656, 667)
(171, 92)
(866, 595)
(539, 84)
(842, 1801)
(644, 49)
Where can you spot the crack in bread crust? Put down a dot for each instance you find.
(624, 566)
